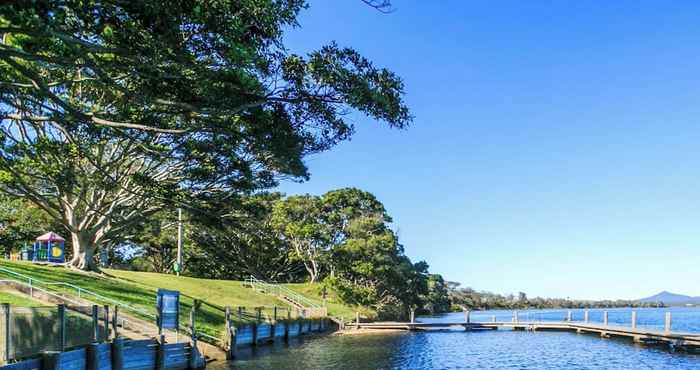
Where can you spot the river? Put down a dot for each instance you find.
(502, 349)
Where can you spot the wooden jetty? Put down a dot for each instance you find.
(675, 340)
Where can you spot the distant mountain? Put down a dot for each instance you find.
(671, 299)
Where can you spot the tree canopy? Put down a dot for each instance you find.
(112, 111)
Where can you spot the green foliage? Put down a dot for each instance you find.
(469, 298)
(243, 244)
(21, 222)
(343, 237)
(437, 300)
(297, 221)
(113, 107)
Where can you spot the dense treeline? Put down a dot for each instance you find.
(469, 298)
(340, 239)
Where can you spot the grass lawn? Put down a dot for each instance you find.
(335, 306)
(18, 300)
(138, 289)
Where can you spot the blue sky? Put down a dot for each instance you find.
(556, 145)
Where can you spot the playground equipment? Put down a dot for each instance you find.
(48, 248)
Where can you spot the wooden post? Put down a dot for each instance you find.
(106, 319)
(667, 323)
(92, 356)
(286, 325)
(7, 356)
(118, 354)
(234, 342)
(634, 319)
(585, 316)
(240, 314)
(515, 317)
(357, 320)
(413, 315)
(115, 322)
(258, 315)
(160, 353)
(192, 319)
(229, 335)
(194, 352)
(273, 326)
(95, 324)
(51, 360)
(493, 318)
(568, 316)
(61, 327)
(466, 316)
(605, 318)
(193, 360)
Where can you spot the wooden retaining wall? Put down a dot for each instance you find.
(260, 333)
(120, 354)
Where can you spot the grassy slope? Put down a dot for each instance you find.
(232, 293)
(335, 306)
(139, 288)
(18, 300)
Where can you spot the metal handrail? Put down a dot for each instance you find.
(80, 291)
(65, 299)
(281, 290)
(31, 288)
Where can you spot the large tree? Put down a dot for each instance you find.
(245, 243)
(298, 222)
(111, 109)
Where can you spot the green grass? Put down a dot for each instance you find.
(18, 300)
(138, 289)
(335, 306)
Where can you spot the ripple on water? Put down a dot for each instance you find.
(462, 350)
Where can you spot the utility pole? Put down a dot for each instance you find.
(179, 242)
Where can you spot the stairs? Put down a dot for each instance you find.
(292, 302)
(306, 306)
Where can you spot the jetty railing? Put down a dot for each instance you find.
(623, 318)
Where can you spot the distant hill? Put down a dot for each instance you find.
(671, 299)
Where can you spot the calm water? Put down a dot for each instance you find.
(502, 349)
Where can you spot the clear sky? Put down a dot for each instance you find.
(556, 145)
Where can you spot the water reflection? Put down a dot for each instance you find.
(457, 349)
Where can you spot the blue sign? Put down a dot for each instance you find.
(168, 305)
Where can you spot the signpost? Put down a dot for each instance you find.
(168, 307)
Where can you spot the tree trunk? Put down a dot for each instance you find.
(83, 252)
(310, 268)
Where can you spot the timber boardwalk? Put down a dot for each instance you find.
(675, 340)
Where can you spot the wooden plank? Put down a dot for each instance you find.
(73, 355)
(139, 343)
(279, 329)
(33, 364)
(174, 346)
